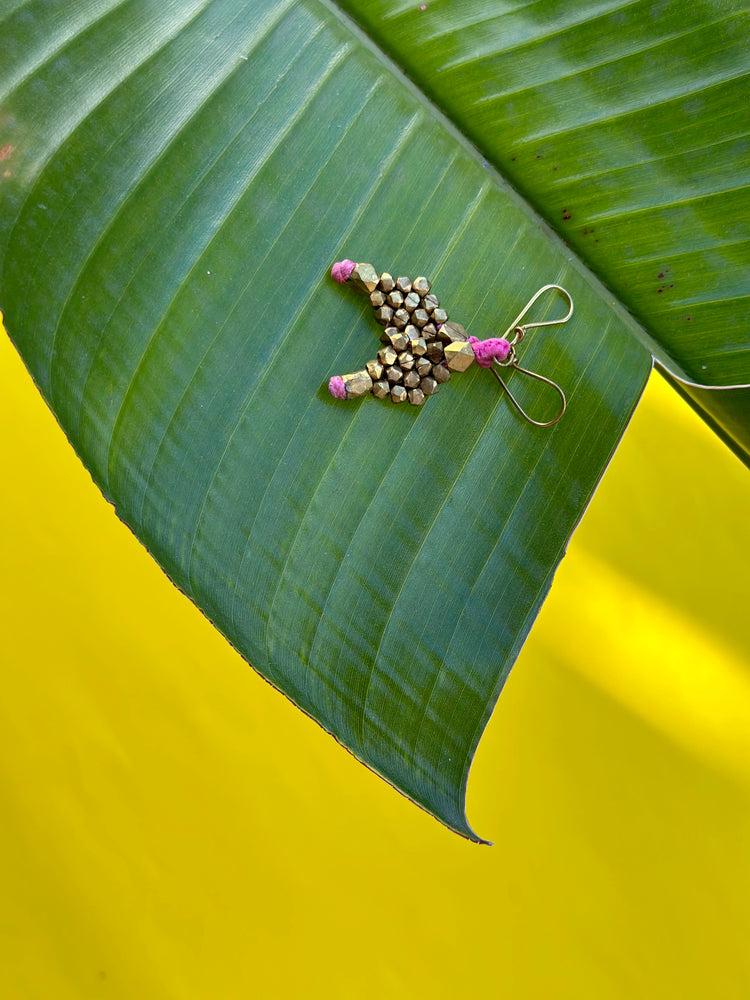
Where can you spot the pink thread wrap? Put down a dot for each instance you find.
(336, 387)
(485, 351)
(341, 270)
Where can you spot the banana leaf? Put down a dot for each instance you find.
(176, 181)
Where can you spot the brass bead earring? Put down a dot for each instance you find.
(423, 348)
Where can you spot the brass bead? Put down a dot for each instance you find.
(451, 331)
(421, 285)
(411, 380)
(418, 346)
(398, 340)
(396, 299)
(375, 370)
(384, 315)
(394, 373)
(357, 384)
(377, 299)
(406, 360)
(387, 355)
(428, 385)
(416, 397)
(411, 332)
(403, 285)
(386, 283)
(381, 389)
(459, 355)
(439, 316)
(430, 303)
(423, 367)
(398, 394)
(435, 351)
(411, 301)
(420, 318)
(440, 373)
(364, 278)
(429, 331)
(401, 318)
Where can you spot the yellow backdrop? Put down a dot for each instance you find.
(171, 827)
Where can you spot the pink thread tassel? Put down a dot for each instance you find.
(341, 270)
(336, 387)
(486, 351)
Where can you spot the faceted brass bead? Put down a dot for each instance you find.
(375, 370)
(396, 299)
(430, 303)
(381, 389)
(387, 355)
(421, 285)
(411, 380)
(416, 397)
(459, 355)
(386, 283)
(411, 332)
(419, 318)
(394, 373)
(384, 315)
(364, 278)
(428, 385)
(398, 340)
(403, 285)
(423, 367)
(429, 330)
(411, 301)
(440, 373)
(401, 318)
(439, 316)
(451, 331)
(398, 394)
(357, 384)
(406, 360)
(418, 346)
(377, 299)
(435, 351)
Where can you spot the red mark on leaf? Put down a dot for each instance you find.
(6, 152)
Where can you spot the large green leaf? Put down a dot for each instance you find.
(626, 125)
(178, 180)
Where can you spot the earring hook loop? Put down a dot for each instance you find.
(540, 378)
(511, 361)
(520, 331)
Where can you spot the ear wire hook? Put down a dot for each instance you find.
(511, 361)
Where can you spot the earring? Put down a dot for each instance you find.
(423, 348)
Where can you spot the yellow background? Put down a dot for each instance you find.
(171, 827)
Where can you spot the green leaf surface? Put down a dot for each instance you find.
(626, 125)
(178, 179)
